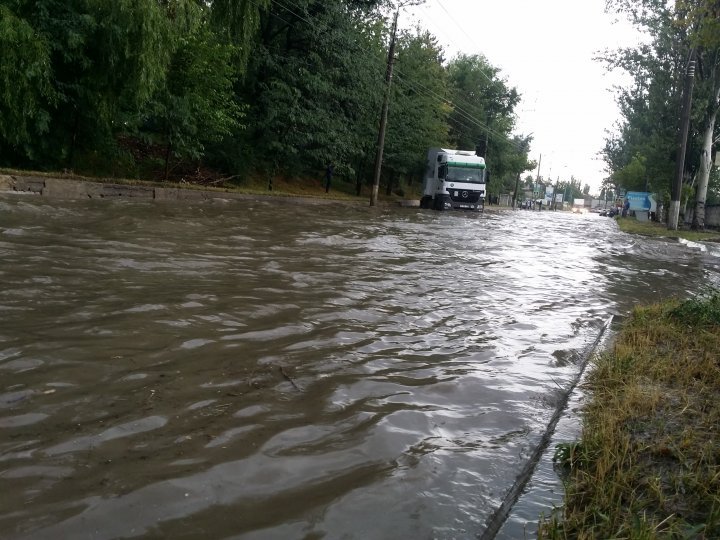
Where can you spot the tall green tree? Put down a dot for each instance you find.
(483, 103)
(100, 58)
(649, 112)
(26, 92)
(483, 116)
(312, 84)
(418, 117)
(650, 106)
(238, 21)
(196, 106)
(701, 21)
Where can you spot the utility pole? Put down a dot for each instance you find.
(517, 186)
(384, 114)
(676, 186)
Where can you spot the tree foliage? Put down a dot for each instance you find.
(26, 92)
(643, 148)
(483, 117)
(418, 116)
(139, 87)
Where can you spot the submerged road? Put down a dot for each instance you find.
(236, 369)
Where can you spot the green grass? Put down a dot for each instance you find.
(648, 463)
(650, 228)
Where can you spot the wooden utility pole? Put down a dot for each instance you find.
(517, 186)
(676, 186)
(384, 114)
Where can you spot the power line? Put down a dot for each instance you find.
(313, 25)
(442, 6)
(409, 86)
(516, 145)
(419, 88)
(466, 115)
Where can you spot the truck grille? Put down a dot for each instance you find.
(464, 196)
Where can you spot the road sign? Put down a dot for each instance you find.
(639, 200)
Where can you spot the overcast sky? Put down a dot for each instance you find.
(545, 49)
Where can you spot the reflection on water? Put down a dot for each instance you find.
(249, 370)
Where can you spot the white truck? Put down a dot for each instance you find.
(454, 179)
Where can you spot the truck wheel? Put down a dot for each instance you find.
(439, 204)
(425, 202)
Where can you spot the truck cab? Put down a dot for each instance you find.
(454, 179)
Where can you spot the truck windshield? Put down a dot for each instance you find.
(464, 174)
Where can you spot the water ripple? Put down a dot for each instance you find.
(236, 371)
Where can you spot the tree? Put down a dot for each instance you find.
(196, 104)
(418, 113)
(312, 88)
(238, 21)
(483, 117)
(633, 176)
(100, 59)
(650, 106)
(571, 188)
(26, 93)
(647, 133)
(483, 104)
(702, 21)
(109, 87)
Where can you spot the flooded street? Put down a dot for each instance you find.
(270, 371)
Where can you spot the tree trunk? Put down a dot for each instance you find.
(358, 177)
(167, 159)
(683, 211)
(391, 181)
(73, 140)
(698, 222)
(673, 214)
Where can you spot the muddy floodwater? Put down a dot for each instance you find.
(254, 370)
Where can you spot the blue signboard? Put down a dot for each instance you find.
(639, 200)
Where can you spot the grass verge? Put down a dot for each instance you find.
(648, 462)
(650, 228)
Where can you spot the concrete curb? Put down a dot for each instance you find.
(63, 188)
